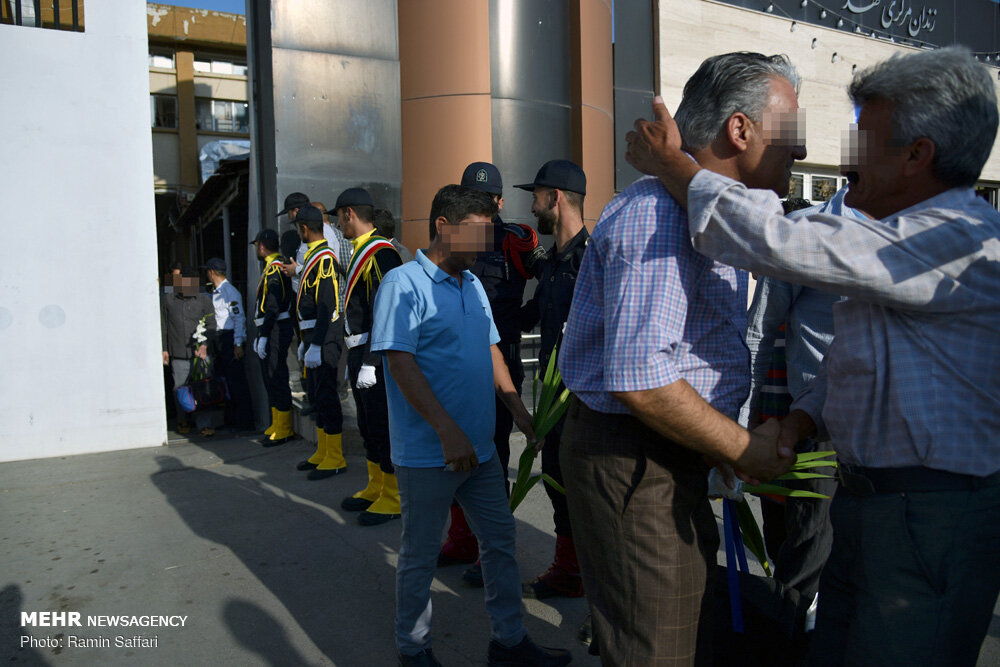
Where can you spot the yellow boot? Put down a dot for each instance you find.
(363, 499)
(270, 429)
(387, 507)
(282, 428)
(317, 456)
(333, 462)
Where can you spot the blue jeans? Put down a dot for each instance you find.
(426, 495)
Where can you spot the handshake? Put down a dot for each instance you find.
(771, 450)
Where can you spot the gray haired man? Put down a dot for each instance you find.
(908, 390)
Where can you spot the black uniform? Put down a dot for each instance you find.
(274, 322)
(504, 274)
(373, 409)
(550, 308)
(320, 324)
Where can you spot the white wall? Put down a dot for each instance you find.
(692, 30)
(80, 358)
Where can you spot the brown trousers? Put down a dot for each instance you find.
(646, 538)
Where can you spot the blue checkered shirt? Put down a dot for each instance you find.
(911, 378)
(648, 310)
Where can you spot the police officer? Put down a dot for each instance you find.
(320, 332)
(273, 319)
(231, 324)
(504, 270)
(373, 257)
(558, 191)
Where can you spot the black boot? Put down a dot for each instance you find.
(528, 654)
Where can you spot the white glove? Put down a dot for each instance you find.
(313, 356)
(302, 351)
(261, 347)
(366, 377)
(717, 486)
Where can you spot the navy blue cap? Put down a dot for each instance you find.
(294, 200)
(484, 177)
(307, 213)
(265, 235)
(354, 197)
(559, 175)
(216, 264)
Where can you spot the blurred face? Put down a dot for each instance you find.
(186, 285)
(779, 141)
(874, 162)
(467, 238)
(543, 207)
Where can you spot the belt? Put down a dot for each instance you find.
(307, 324)
(281, 316)
(356, 340)
(862, 481)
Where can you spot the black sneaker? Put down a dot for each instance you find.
(423, 659)
(527, 654)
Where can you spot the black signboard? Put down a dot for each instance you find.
(971, 23)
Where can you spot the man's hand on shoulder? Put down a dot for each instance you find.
(764, 458)
(654, 147)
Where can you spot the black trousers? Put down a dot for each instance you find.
(321, 383)
(373, 411)
(551, 467)
(238, 411)
(274, 367)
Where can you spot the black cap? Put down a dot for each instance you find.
(294, 200)
(559, 175)
(484, 177)
(265, 235)
(354, 197)
(307, 213)
(216, 264)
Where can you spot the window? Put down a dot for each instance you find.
(222, 115)
(214, 66)
(163, 111)
(161, 58)
(823, 188)
(53, 14)
(795, 186)
(817, 188)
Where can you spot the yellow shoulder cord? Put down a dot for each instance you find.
(325, 270)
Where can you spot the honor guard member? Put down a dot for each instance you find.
(504, 270)
(558, 191)
(231, 323)
(320, 331)
(273, 319)
(373, 257)
(290, 240)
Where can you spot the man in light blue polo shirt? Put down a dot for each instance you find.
(433, 322)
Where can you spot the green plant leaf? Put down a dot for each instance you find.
(516, 498)
(553, 483)
(775, 490)
(804, 475)
(752, 538)
(812, 456)
(802, 465)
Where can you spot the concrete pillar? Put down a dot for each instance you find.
(444, 71)
(187, 128)
(593, 101)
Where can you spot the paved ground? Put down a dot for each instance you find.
(261, 563)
